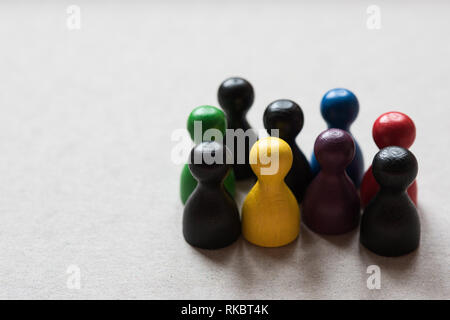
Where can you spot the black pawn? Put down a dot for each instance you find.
(211, 217)
(390, 224)
(287, 117)
(236, 96)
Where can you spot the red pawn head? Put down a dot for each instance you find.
(394, 129)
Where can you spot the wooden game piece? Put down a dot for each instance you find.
(211, 217)
(331, 204)
(236, 96)
(211, 118)
(287, 116)
(390, 224)
(339, 108)
(270, 214)
(390, 129)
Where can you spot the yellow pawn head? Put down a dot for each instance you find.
(271, 159)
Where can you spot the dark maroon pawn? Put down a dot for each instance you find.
(287, 116)
(390, 224)
(331, 204)
(236, 96)
(211, 217)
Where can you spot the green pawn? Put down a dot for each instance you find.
(211, 118)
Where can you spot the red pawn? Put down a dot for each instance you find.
(390, 129)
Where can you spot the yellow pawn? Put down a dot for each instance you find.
(270, 214)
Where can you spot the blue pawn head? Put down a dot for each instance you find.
(339, 108)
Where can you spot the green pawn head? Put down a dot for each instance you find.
(205, 117)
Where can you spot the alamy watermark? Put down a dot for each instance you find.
(73, 21)
(374, 280)
(236, 141)
(74, 279)
(373, 21)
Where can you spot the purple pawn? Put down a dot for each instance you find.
(331, 204)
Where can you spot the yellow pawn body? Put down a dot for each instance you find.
(270, 214)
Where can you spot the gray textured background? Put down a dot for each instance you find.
(86, 119)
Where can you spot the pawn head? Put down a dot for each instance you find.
(236, 96)
(271, 158)
(394, 167)
(210, 161)
(334, 150)
(286, 116)
(210, 118)
(394, 129)
(339, 108)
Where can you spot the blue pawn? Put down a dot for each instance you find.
(339, 108)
